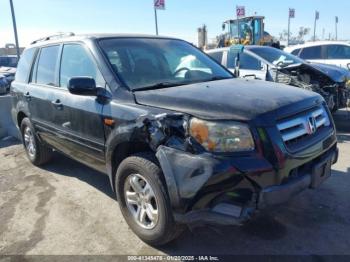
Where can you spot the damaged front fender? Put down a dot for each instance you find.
(185, 174)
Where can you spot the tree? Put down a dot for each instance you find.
(303, 31)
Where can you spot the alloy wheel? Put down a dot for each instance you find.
(29, 142)
(141, 201)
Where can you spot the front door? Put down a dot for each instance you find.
(79, 121)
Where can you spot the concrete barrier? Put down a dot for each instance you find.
(7, 127)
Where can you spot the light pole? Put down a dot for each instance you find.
(317, 16)
(336, 28)
(156, 19)
(290, 15)
(15, 28)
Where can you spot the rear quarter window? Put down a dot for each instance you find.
(217, 56)
(296, 52)
(24, 65)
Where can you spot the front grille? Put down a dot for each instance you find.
(303, 126)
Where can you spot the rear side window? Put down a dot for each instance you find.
(75, 62)
(314, 52)
(217, 56)
(296, 52)
(24, 65)
(47, 65)
(338, 52)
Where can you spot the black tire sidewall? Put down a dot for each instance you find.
(24, 124)
(165, 219)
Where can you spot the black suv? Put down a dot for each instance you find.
(181, 140)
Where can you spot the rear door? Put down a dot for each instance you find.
(313, 54)
(40, 92)
(78, 120)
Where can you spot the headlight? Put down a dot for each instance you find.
(222, 136)
(347, 84)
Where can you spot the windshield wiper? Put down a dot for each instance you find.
(159, 85)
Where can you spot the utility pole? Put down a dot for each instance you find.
(15, 28)
(317, 16)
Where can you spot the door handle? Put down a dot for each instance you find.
(57, 103)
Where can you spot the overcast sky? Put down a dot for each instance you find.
(37, 18)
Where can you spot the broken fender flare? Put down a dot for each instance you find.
(185, 173)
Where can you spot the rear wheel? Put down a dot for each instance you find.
(37, 152)
(143, 200)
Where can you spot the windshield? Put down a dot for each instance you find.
(276, 56)
(147, 62)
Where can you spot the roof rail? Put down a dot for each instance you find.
(59, 35)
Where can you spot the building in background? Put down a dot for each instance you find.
(202, 37)
(10, 49)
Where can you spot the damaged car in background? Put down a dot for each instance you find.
(271, 64)
(7, 75)
(180, 145)
(4, 84)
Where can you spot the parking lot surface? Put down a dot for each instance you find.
(67, 208)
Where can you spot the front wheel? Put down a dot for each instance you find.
(143, 200)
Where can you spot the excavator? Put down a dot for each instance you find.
(245, 31)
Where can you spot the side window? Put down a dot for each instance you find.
(314, 52)
(47, 65)
(24, 65)
(76, 61)
(217, 56)
(249, 62)
(246, 62)
(296, 52)
(338, 52)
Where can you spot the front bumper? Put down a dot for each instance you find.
(227, 190)
(310, 178)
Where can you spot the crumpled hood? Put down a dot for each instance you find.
(336, 73)
(236, 99)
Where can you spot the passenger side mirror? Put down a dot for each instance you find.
(85, 86)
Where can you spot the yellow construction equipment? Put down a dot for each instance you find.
(246, 31)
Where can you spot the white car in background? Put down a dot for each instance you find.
(325, 52)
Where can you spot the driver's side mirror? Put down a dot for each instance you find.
(85, 86)
(349, 66)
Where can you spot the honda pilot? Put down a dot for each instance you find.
(181, 140)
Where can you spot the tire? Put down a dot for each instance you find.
(144, 167)
(41, 153)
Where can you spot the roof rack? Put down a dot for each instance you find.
(59, 35)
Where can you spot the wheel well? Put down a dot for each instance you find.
(20, 117)
(124, 150)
